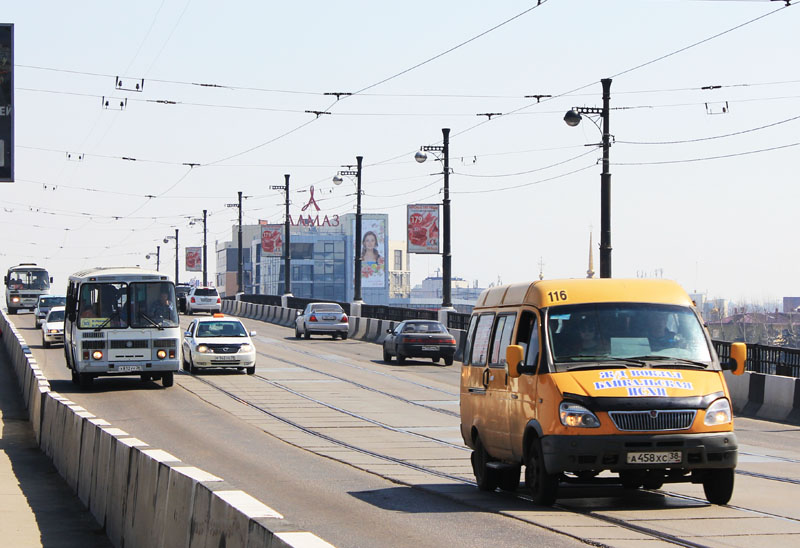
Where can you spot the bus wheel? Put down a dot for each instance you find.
(167, 379)
(12, 311)
(543, 486)
(485, 477)
(85, 380)
(718, 485)
(75, 377)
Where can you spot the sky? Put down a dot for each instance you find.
(705, 100)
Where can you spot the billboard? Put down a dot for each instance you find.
(271, 240)
(423, 228)
(194, 259)
(6, 103)
(373, 252)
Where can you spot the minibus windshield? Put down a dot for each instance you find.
(635, 333)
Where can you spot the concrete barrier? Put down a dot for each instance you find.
(142, 496)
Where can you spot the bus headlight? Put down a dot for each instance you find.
(161, 354)
(246, 348)
(572, 414)
(15, 299)
(202, 348)
(718, 412)
(97, 354)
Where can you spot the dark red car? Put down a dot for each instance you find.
(419, 339)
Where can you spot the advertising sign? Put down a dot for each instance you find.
(423, 228)
(194, 259)
(271, 240)
(373, 252)
(6, 103)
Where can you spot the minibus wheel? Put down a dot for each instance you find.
(167, 379)
(485, 477)
(85, 380)
(543, 486)
(718, 485)
(75, 378)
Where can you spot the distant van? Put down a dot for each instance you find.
(592, 381)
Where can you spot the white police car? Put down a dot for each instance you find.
(218, 341)
(53, 327)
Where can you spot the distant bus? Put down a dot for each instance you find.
(121, 321)
(24, 283)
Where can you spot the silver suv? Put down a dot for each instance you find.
(203, 299)
(43, 306)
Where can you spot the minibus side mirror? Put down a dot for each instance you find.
(5, 280)
(736, 362)
(514, 357)
(51, 279)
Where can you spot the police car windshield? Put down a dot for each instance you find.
(626, 332)
(221, 329)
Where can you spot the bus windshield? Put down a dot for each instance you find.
(120, 305)
(620, 331)
(31, 279)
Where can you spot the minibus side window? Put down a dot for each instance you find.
(473, 322)
(502, 337)
(480, 346)
(528, 339)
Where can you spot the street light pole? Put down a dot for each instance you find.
(573, 118)
(444, 148)
(205, 248)
(239, 272)
(158, 258)
(287, 254)
(176, 256)
(357, 236)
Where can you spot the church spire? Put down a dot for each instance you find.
(590, 272)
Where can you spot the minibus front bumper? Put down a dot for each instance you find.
(647, 451)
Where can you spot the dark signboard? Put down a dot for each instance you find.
(6, 103)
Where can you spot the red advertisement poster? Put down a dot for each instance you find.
(272, 240)
(423, 228)
(194, 259)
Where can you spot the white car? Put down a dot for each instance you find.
(321, 319)
(44, 304)
(218, 341)
(53, 327)
(203, 299)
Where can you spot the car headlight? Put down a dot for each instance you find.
(719, 412)
(246, 348)
(54, 331)
(202, 348)
(572, 414)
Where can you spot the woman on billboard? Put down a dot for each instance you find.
(369, 248)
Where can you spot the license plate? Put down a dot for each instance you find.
(224, 358)
(655, 457)
(329, 318)
(430, 348)
(129, 368)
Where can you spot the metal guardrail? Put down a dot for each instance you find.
(770, 360)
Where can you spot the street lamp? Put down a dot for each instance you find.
(572, 119)
(239, 287)
(421, 156)
(166, 241)
(158, 257)
(337, 180)
(287, 250)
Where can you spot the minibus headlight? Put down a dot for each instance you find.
(718, 412)
(14, 299)
(161, 354)
(246, 348)
(97, 354)
(202, 349)
(572, 414)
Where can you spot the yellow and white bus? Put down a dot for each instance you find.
(121, 321)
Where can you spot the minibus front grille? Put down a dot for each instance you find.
(93, 335)
(131, 343)
(93, 345)
(165, 343)
(649, 421)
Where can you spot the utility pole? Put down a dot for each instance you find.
(205, 248)
(241, 261)
(287, 255)
(357, 236)
(158, 257)
(177, 260)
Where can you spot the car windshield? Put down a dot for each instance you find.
(50, 302)
(423, 327)
(642, 333)
(327, 308)
(55, 316)
(182, 291)
(205, 292)
(221, 329)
